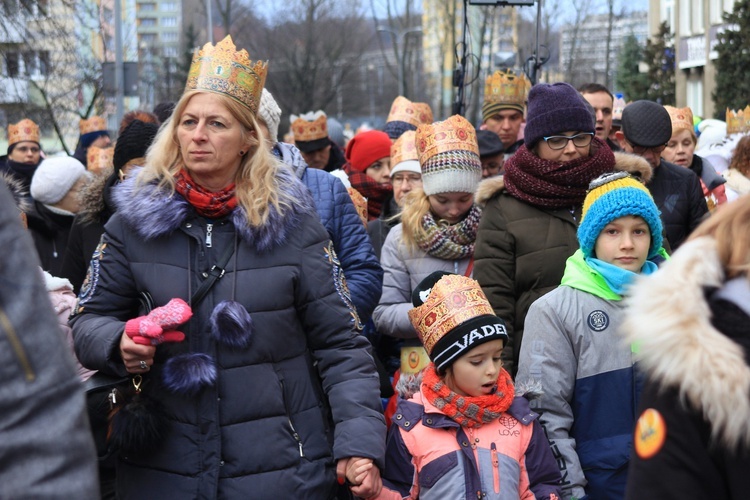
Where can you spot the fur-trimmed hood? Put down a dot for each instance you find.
(152, 212)
(634, 165)
(92, 198)
(17, 190)
(668, 320)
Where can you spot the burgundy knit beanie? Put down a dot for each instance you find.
(553, 109)
(366, 148)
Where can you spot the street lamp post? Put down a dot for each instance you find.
(400, 36)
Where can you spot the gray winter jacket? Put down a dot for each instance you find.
(46, 448)
(404, 270)
(302, 394)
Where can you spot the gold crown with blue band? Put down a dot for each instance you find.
(224, 70)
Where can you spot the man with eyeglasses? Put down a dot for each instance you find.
(646, 129)
(24, 152)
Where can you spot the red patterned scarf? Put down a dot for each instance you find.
(552, 184)
(209, 204)
(375, 192)
(468, 411)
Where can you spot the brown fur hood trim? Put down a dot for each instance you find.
(92, 197)
(634, 165)
(16, 188)
(668, 319)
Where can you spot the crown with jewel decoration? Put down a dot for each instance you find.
(504, 90)
(453, 134)
(413, 113)
(682, 118)
(99, 159)
(738, 122)
(25, 130)
(224, 70)
(93, 124)
(453, 300)
(405, 148)
(310, 126)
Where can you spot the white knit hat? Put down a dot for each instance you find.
(270, 113)
(55, 177)
(407, 166)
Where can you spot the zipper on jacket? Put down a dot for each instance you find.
(495, 467)
(209, 236)
(291, 425)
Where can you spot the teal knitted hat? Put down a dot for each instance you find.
(610, 197)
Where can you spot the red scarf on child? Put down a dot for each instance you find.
(209, 204)
(468, 411)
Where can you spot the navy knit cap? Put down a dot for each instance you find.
(610, 197)
(89, 138)
(555, 108)
(396, 128)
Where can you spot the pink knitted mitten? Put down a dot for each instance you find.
(159, 325)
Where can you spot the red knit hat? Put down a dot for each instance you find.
(366, 148)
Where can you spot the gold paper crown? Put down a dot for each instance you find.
(682, 118)
(25, 130)
(93, 124)
(310, 126)
(413, 113)
(405, 148)
(453, 300)
(505, 87)
(738, 122)
(453, 134)
(224, 70)
(99, 159)
(360, 203)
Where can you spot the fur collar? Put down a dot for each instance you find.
(669, 320)
(634, 165)
(152, 213)
(92, 198)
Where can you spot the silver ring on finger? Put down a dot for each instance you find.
(143, 365)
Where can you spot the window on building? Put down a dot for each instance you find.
(729, 5)
(148, 38)
(170, 51)
(148, 22)
(147, 7)
(667, 13)
(169, 22)
(170, 36)
(685, 17)
(697, 16)
(30, 64)
(169, 6)
(11, 64)
(44, 63)
(695, 94)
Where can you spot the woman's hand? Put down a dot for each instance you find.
(137, 358)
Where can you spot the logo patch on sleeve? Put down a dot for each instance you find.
(650, 434)
(598, 320)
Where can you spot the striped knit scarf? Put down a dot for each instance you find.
(468, 411)
(450, 242)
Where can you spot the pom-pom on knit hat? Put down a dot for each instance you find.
(270, 113)
(55, 177)
(366, 148)
(452, 316)
(449, 156)
(555, 108)
(610, 197)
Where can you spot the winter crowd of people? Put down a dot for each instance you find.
(554, 304)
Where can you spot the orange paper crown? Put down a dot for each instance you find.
(453, 134)
(310, 126)
(405, 148)
(413, 113)
(99, 159)
(25, 130)
(224, 70)
(505, 87)
(360, 203)
(682, 118)
(453, 300)
(738, 122)
(93, 124)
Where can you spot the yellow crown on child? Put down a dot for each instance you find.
(99, 159)
(506, 88)
(224, 70)
(413, 113)
(738, 122)
(453, 300)
(310, 126)
(453, 134)
(93, 124)
(405, 148)
(25, 130)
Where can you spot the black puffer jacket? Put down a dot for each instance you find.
(678, 194)
(303, 393)
(50, 232)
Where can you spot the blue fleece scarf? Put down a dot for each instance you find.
(618, 279)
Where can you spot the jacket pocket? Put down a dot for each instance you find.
(288, 412)
(435, 470)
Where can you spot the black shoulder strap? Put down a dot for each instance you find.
(216, 272)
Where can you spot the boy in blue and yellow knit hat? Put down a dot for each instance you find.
(572, 346)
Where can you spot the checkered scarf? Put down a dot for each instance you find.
(468, 411)
(375, 192)
(450, 242)
(212, 205)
